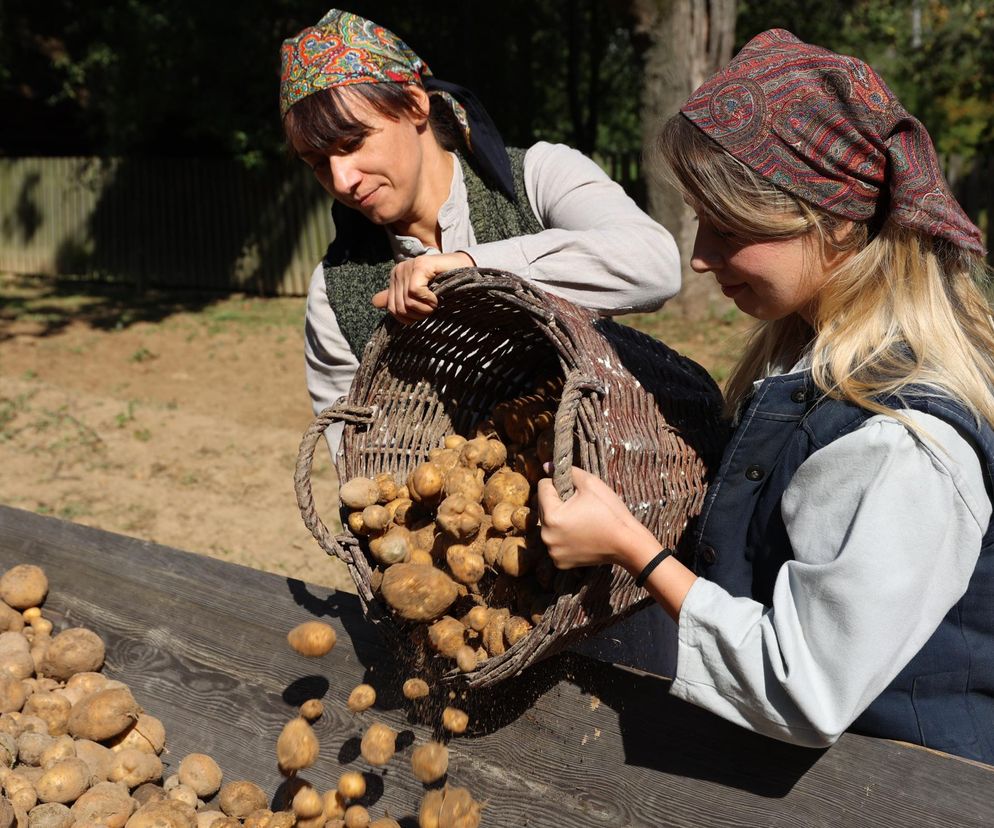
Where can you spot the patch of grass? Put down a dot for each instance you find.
(143, 434)
(126, 416)
(143, 354)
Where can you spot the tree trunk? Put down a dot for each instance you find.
(682, 43)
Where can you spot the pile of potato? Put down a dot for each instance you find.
(76, 749)
(455, 546)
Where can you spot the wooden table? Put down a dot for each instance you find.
(574, 742)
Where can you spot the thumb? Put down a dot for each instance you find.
(547, 497)
(380, 299)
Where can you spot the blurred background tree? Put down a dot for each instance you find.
(133, 78)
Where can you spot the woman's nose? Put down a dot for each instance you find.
(345, 176)
(707, 256)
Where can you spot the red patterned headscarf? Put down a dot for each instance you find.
(825, 128)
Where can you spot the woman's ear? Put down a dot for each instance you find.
(423, 104)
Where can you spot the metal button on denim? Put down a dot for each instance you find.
(755, 473)
(799, 396)
(707, 555)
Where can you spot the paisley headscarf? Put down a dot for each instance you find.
(344, 49)
(825, 128)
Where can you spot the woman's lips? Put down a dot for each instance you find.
(731, 290)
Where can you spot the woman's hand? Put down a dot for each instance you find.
(592, 527)
(409, 298)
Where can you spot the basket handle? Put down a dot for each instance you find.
(574, 388)
(340, 411)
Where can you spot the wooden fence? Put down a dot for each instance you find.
(196, 223)
(211, 224)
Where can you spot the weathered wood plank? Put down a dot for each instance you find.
(572, 743)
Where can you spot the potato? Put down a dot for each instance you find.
(454, 441)
(466, 566)
(454, 720)
(206, 819)
(201, 773)
(257, 819)
(375, 518)
(312, 638)
(312, 709)
(10, 619)
(399, 509)
(52, 708)
(379, 743)
(466, 659)
(501, 516)
(362, 697)
(64, 782)
(388, 487)
(15, 655)
(359, 492)
(133, 767)
(96, 756)
(147, 735)
(415, 688)
(418, 592)
(12, 693)
(447, 635)
(50, 815)
(431, 807)
(384, 822)
(493, 633)
(392, 548)
(238, 799)
(356, 524)
(20, 791)
(76, 650)
(104, 714)
(334, 805)
(356, 817)
(430, 762)
(352, 785)
(425, 483)
(163, 813)
(516, 628)
(30, 747)
(296, 748)
(477, 618)
(8, 753)
(506, 487)
(459, 516)
(517, 556)
(23, 586)
(466, 482)
(483, 453)
(149, 792)
(184, 793)
(307, 803)
(106, 803)
(63, 747)
(459, 810)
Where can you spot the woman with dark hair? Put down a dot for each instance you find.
(423, 184)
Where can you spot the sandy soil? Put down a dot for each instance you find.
(181, 428)
(177, 418)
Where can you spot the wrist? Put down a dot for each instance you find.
(638, 547)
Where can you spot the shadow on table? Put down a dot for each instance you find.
(657, 731)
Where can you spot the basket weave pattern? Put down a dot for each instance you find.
(633, 412)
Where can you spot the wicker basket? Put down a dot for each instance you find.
(633, 412)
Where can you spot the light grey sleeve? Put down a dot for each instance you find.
(330, 364)
(872, 518)
(598, 249)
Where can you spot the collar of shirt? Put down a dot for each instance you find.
(453, 219)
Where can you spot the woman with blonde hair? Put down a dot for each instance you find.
(843, 567)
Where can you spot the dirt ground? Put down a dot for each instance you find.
(176, 417)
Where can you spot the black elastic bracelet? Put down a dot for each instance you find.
(661, 556)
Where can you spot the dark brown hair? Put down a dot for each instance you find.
(324, 119)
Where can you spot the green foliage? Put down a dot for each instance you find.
(938, 57)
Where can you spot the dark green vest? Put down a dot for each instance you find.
(359, 260)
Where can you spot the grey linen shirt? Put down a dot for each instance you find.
(886, 528)
(598, 249)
